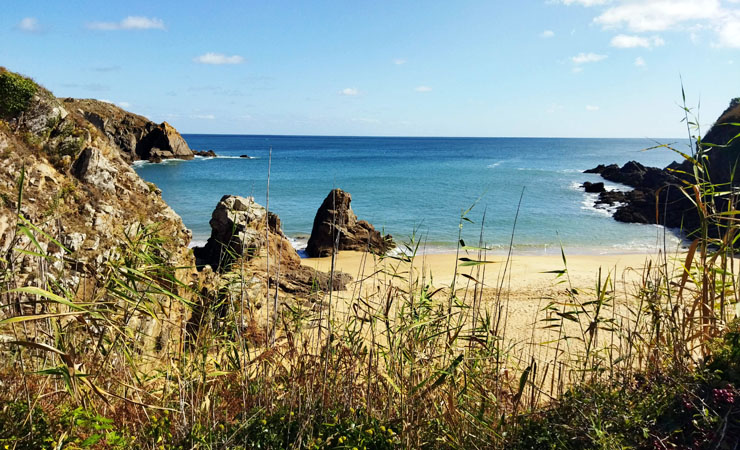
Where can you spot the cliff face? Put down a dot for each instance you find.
(137, 137)
(724, 160)
(65, 178)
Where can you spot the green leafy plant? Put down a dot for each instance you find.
(16, 93)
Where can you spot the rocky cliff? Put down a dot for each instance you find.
(69, 194)
(137, 137)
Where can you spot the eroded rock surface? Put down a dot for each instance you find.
(336, 224)
(243, 231)
(136, 137)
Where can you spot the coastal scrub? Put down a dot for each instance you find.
(16, 92)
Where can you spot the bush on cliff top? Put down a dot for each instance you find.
(16, 93)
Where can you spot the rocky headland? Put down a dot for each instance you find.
(69, 196)
(136, 137)
(667, 196)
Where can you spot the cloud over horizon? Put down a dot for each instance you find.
(218, 59)
(351, 92)
(721, 17)
(128, 23)
(29, 25)
(629, 41)
(583, 58)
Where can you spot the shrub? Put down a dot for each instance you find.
(16, 93)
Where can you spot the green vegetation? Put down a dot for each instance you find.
(16, 93)
(101, 358)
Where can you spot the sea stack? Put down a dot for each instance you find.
(238, 234)
(336, 223)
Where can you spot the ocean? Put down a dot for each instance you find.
(418, 188)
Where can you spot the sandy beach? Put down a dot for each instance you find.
(527, 283)
(522, 274)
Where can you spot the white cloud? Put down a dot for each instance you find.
(584, 2)
(124, 104)
(640, 62)
(399, 61)
(720, 17)
(29, 25)
(592, 108)
(547, 34)
(218, 59)
(365, 120)
(423, 89)
(203, 116)
(657, 15)
(129, 23)
(628, 41)
(583, 58)
(728, 30)
(349, 92)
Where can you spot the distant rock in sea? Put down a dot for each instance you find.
(245, 156)
(205, 153)
(336, 220)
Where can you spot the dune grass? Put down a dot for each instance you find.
(101, 358)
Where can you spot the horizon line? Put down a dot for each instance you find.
(426, 137)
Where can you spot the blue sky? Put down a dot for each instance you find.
(571, 68)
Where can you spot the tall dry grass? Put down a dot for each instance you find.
(402, 363)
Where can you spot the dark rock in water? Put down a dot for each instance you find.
(205, 153)
(245, 156)
(611, 198)
(239, 232)
(163, 142)
(335, 221)
(593, 187)
(664, 196)
(601, 168)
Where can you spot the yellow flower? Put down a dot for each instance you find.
(352, 410)
(382, 428)
(369, 431)
(263, 422)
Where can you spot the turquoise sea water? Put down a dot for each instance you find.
(419, 185)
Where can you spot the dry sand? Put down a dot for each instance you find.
(524, 273)
(526, 282)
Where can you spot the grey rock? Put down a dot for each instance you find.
(92, 167)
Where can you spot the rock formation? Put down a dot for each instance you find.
(336, 220)
(657, 196)
(205, 153)
(593, 188)
(136, 137)
(79, 188)
(238, 233)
